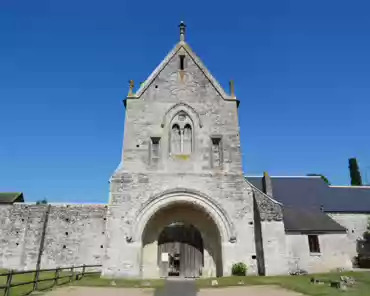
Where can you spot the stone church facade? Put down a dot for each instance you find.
(181, 163)
(179, 201)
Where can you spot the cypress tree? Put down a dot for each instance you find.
(354, 172)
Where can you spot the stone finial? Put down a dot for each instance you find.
(267, 184)
(131, 88)
(232, 91)
(182, 27)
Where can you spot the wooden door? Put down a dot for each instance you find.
(184, 246)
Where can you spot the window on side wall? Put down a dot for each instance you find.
(314, 244)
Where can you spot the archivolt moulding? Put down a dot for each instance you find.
(182, 195)
(170, 113)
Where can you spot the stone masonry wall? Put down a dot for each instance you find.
(75, 235)
(227, 191)
(271, 244)
(274, 247)
(334, 253)
(356, 225)
(151, 114)
(138, 179)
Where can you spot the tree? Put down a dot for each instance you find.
(322, 177)
(42, 202)
(354, 172)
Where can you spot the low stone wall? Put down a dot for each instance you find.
(74, 235)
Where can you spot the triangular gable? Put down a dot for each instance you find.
(197, 61)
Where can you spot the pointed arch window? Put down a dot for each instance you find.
(187, 139)
(176, 139)
(181, 135)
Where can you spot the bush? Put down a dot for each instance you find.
(239, 269)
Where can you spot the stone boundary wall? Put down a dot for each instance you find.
(74, 235)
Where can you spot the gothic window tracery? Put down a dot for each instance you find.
(175, 139)
(181, 135)
(187, 139)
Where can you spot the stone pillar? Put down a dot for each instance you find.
(274, 248)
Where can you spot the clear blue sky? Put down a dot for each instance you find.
(301, 69)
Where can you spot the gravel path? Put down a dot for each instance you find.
(178, 288)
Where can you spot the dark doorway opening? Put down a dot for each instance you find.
(174, 265)
(180, 251)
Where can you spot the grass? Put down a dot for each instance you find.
(26, 289)
(91, 280)
(300, 284)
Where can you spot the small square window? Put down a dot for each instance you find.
(314, 244)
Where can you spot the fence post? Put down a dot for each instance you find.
(8, 283)
(71, 277)
(36, 280)
(56, 277)
(83, 270)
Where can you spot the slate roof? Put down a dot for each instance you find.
(347, 199)
(11, 197)
(309, 221)
(312, 192)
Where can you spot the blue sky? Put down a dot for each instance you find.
(301, 71)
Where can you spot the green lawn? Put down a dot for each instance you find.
(299, 283)
(25, 289)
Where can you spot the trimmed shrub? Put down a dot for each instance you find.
(239, 269)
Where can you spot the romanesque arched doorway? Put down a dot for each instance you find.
(180, 251)
(181, 239)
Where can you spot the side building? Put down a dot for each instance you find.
(311, 206)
